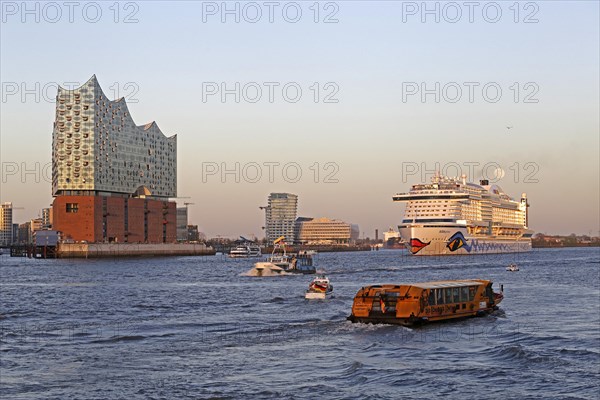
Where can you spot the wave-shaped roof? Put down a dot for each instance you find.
(93, 81)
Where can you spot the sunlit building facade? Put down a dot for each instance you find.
(325, 231)
(46, 218)
(6, 224)
(111, 179)
(281, 216)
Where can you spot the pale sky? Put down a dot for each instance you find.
(369, 124)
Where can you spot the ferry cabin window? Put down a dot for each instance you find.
(472, 290)
(448, 295)
(464, 293)
(431, 297)
(455, 294)
(439, 295)
(488, 292)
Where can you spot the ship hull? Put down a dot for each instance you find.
(436, 241)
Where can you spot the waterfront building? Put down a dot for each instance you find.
(281, 216)
(111, 179)
(325, 231)
(6, 224)
(36, 225)
(27, 231)
(192, 233)
(24, 236)
(182, 224)
(46, 237)
(297, 225)
(15, 233)
(46, 218)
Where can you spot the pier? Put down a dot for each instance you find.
(99, 250)
(33, 251)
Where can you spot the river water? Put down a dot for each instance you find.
(190, 327)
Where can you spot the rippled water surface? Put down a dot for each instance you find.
(194, 328)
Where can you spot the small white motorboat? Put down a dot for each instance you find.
(512, 267)
(319, 288)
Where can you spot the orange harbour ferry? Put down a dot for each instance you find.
(415, 303)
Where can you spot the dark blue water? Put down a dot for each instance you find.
(190, 327)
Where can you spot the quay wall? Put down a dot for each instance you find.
(98, 250)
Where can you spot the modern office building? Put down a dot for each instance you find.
(24, 236)
(281, 216)
(36, 225)
(46, 218)
(111, 179)
(15, 233)
(325, 231)
(26, 232)
(182, 224)
(6, 224)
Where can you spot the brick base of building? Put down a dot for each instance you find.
(97, 219)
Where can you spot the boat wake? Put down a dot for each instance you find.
(265, 271)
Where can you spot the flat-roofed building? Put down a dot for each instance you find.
(325, 231)
(24, 236)
(182, 224)
(46, 218)
(6, 224)
(281, 216)
(15, 233)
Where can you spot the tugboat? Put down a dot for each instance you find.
(512, 267)
(319, 288)
(282, 263)
(417, 303)
(301, 263)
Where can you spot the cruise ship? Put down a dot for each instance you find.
(452, 217)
